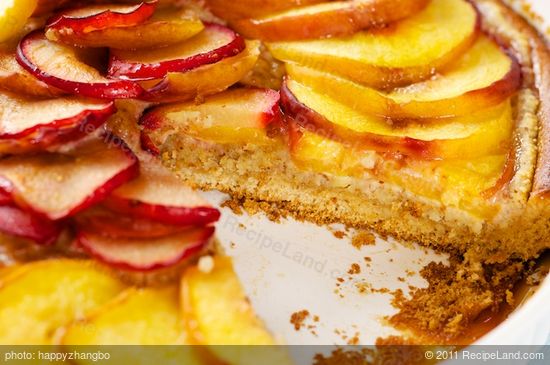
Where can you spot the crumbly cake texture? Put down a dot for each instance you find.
(266, 173)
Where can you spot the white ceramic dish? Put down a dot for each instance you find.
(291, 266)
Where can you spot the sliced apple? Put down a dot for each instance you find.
(61, 66)
(116, 225)
(13, 16)
(480, 134)
(5, 198)
(15, 78)
(36, 124)
(146, 254)
(16, 222)
(166, 27)
(58, 185)
(234, 116)
(213, 44)
(206, 80)
(331, 19)
(159, 196)
(99, 17)
(47, 6)
(239, 9)
(442, 32)
(484, 77)
(37, 299)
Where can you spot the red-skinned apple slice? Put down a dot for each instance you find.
(46, 6)
(331, 19)
(17, 222)
(35, 124)
(240, 9)
(5, 198)
(167, 26)
(98, 17)
(212, 45)
(116, 225)
(60, 66)
(16, 79)
(145, 255)
(59, 185)
(159, 196)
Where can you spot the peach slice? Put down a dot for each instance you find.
(58, 185)
(212, 45)
(220, 314)
(61, 66)
(99, 17)
(37, 299)
(239, 9)
(339, 18)
(206, 80)
(13, 16)
(166, 27)
(483, 77)
(160, 196)
(36, 124)
(146, 254)
(383, 59)
(234, 116)
(16, 222)
(15, 78)
(480, 134)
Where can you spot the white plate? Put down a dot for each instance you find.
(292, 266)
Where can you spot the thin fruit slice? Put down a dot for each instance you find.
(58, 185)
(331, 19)
(115, 225)
(15, 78)
(144, 317)
(47, 6)
(5, 198)
(239, 115)
(61, 66)
(212, 45)
(144, 255)
(16, 222)
(36, 124)
(166, 27)
(484, 133)
(220, 314)
(206, 80)
(37, 299)
(159, 196)
(383, 59)
(98, 17)
(13, 16)
(239, 9)
(483, 77)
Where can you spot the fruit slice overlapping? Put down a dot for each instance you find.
(36, 299)
(487, 132)
(61, 184)
(13, 15)
(383, 59)
(242, 9)
(28, 124)
(330, 19)
(240, 115)
(139, 30)
(62, 67)
(220, 314)
(212, 45)
(483, 77)
(17, 222)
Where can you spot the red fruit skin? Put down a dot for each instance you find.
(43, 136)
(103, 20)
(196, 216)
(5, 198)
(114, 89)
(125, 70)
(17, 222)
(84, 240)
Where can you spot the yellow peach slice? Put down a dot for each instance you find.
(37, 299)
(220, 314)
(13, 16)
(483, 77)
(406, 52)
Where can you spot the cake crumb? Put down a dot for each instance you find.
(363, 238)
(298, 319)
(354, 269)
(339, 234)
(233, 204)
